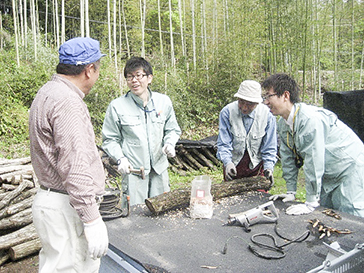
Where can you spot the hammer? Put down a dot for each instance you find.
(138, 172)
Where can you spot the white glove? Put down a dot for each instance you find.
(230, 171)
(124, 165)
(286, 197)
(97, 238)
(300, 209)
(169, 150)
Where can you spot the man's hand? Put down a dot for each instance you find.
(97, 238)
(124, 165)
(300, 209)
(230, 171)
(268, 173)
(286, 197)
(169, 150)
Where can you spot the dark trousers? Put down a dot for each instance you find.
(243, 169)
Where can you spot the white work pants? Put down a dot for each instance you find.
(64, 245)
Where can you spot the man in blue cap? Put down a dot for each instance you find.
(67, 164)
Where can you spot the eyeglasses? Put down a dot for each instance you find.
(138, 77)
(267, 97)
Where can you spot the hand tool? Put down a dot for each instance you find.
(140, 172)
(265, 213)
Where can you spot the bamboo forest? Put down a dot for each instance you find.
(201, 50)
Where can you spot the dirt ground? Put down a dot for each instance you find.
(28, 265)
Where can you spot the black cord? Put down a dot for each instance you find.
(275, 247)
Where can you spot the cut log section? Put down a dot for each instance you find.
(25, 249)
(180, 198)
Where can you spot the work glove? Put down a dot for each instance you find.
(168, 149)
(124, 165)
(268, 173)
(230, 171)
(300, 209)
(97, 238)
(286, 197)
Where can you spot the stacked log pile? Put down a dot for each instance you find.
(194, 155)
(18, 186)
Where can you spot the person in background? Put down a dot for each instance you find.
(331, 154)
(247, 140)
(67, 164)
(140, 130)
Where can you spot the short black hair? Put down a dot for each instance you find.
(280, 83)
(135, 63)
(73, 70)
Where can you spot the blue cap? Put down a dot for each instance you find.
(80, 51)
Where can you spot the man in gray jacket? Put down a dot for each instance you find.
(140, 130)
(247, 141)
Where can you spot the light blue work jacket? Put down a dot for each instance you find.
(139, 133)
(332, 152)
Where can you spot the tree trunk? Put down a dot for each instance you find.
(16, 32)
(193, 34)
(180, 198)
(160, 29)
(171, 34)
(87, 19)
(25, 249)
(125, 29)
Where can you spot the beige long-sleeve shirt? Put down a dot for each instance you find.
(62, 144)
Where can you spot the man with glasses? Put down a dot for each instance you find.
(331, 154)
(140, 130)
(247, 141)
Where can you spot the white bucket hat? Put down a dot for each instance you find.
(250, 90)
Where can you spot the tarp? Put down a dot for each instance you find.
(176, 243)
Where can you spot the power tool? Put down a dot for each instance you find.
(265, 213)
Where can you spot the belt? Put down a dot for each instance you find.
(53, 190)
(99, 198)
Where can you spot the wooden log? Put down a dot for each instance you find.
(178, 171)
(17, 161)
(17, 220)
(10, 187)
(4, 256)
(180, 198)
(190, 158)
(15, 168)
(203, 159)
(25, 249)
(24, 195)
(17, 207)
(175, 162)
(18, 178)
(11, 195)
(7, 177)
(210, 156)
(22, 235)
(184, 164)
